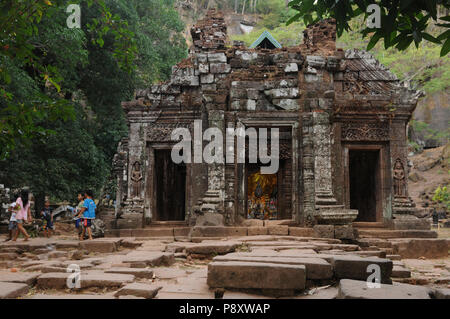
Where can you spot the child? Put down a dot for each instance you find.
(88, 213)
(12, 227)
(47, 215)
(78, 220)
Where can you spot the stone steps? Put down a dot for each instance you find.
(388, 234)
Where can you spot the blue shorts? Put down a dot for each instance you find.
(12, 225)
(87, 222)
(78, 223)
(49, 225)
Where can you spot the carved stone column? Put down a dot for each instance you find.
(322, 160)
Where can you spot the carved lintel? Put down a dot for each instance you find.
(355, 131)
(162, 132)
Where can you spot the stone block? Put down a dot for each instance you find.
(400, 272)
(355, 267)
(301, 232)
(137, 272)
(254, 231)
(353, 289)
(9, 290)
(209, 248)
(98, 246)
(209, 219)
(98, 280)
(324, 231)
(217, 57)
(254, 275)
(28, 278)
(207, 78)
(181, 231)
(153, 232)
(421, 247)
(282, 230)
(218, 231)
(219, 68)
(291, 67)
(139, 290)
(316, 268)
(343, 232)
(443, 293)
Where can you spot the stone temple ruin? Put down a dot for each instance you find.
(342, 120)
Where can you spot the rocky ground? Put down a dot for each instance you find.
(239, 267)
(430, 169)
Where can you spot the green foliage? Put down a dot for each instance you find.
(429, 133)
(402, 22)
(61, 88)
(442, 195)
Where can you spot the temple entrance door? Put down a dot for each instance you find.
(170, 184)
(364, 180)
(262, 194)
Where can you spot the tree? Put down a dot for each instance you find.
(402, 21)
(61, 117)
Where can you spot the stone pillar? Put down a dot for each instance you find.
(322, 160)
(403, 207)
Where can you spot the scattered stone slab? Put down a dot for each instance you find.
(137, 272)
(400, 272)
(28, 278)
(218, 231)
(99, 246)
(169, 273)
(139, 290)
(421, 247)
(354, 289)
(278, 230)
(99, 280)
(10, 290)
(355, 267)
(301, 231)
(57, 254)
(255, 275)
(252, 231)
(8, 256)
(152, 259)
(209, 248)
(316, 268)
(67, 244)
(130, 243)
(443, 293)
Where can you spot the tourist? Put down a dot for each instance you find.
(88, 213)
(78, 219)
(13, 208)
(23, 214)
(47, 215)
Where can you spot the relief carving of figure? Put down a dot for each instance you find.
(136, 177)
(399, 179)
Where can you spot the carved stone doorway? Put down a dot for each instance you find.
(364, 183)
(170, 184)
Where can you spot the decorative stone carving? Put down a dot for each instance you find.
(399, 179)
(352, 131)
(136, 178)
(162, 132)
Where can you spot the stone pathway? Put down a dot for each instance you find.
(261, 266)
